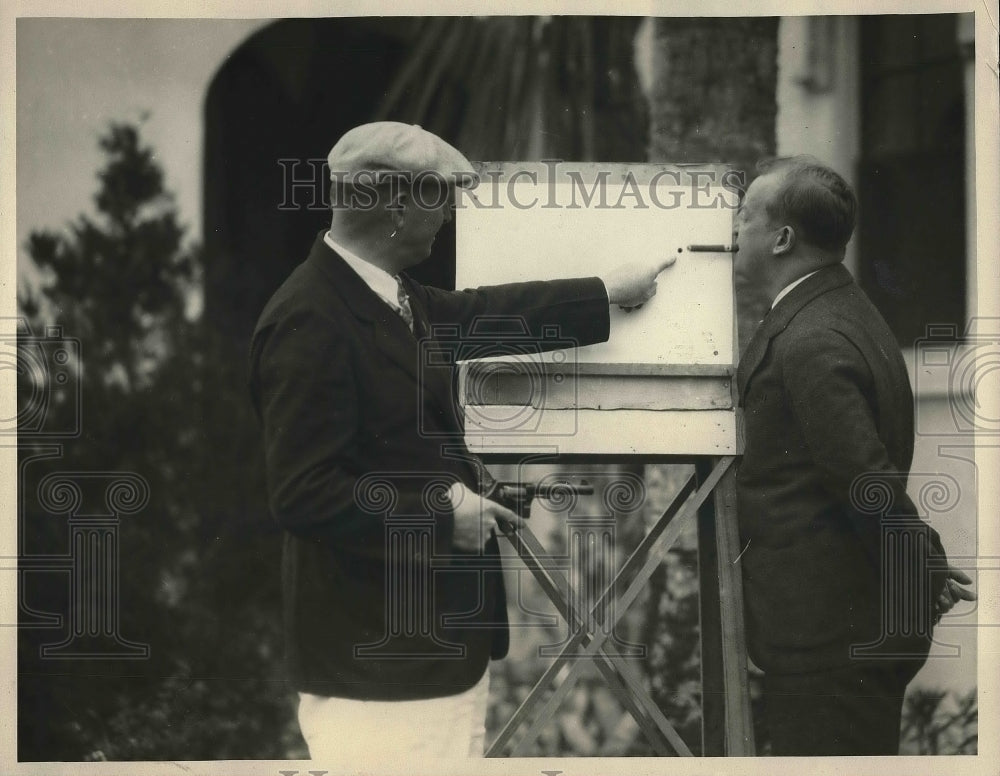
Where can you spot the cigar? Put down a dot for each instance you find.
(713, 248)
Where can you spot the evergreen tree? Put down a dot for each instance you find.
(160, 397)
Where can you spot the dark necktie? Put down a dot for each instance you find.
(405, 311)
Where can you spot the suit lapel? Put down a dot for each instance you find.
(391, 333)
(781, 315)
(753, 355)
(392, 336)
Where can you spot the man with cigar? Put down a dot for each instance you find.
(388, 638)
(838, 623)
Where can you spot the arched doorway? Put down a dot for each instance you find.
(499, 88)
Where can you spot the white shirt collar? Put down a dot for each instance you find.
(787, 289)
(377, 279)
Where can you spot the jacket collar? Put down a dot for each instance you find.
(392, 335)
(357, 294)
(778, 318)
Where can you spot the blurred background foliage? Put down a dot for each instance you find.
(198, 569)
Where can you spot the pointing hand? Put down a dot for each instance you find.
(630, 285)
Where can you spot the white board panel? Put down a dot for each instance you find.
(533, 222)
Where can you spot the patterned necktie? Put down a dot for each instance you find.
(405, 311)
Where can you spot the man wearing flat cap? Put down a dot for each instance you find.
(394, 600)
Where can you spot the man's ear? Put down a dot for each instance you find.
(397, 218)
(784, 241)
(397, 209)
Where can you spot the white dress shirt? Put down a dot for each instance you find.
(787, 289)
(377, 279)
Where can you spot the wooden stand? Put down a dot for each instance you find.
(660, 390)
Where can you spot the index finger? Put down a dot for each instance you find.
(508, 516)
(662, 264)
(959, 575)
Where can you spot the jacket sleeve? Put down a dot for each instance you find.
(553, 314)
(829, 384)
(304, 390)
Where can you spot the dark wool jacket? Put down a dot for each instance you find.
(362, 438)
(828, 416)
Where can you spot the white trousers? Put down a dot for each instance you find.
(349, 732)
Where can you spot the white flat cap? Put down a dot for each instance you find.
(385, 148)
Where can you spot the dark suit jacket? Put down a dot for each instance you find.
(826, 399)
(361, 440)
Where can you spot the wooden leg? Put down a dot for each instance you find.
(713, 709)
(739, 722)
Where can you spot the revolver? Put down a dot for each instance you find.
(517, 496)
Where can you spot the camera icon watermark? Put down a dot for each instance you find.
(47, 373)
(510, 381)
(966, 368)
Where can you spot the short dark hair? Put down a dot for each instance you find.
(814, 199)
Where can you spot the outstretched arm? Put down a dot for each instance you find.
(577, 307)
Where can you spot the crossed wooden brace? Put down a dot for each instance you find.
(619, 674)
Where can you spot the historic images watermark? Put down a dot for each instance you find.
(965, 365)
(582, 579)
(908, 559)
(309, 184)
(92, 503)
(512, 377)
(955, 374)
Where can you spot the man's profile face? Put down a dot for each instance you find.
(755, 235)
(428, 208)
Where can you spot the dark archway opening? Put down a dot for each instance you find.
(488, 85)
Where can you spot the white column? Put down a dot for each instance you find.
(819, 103)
